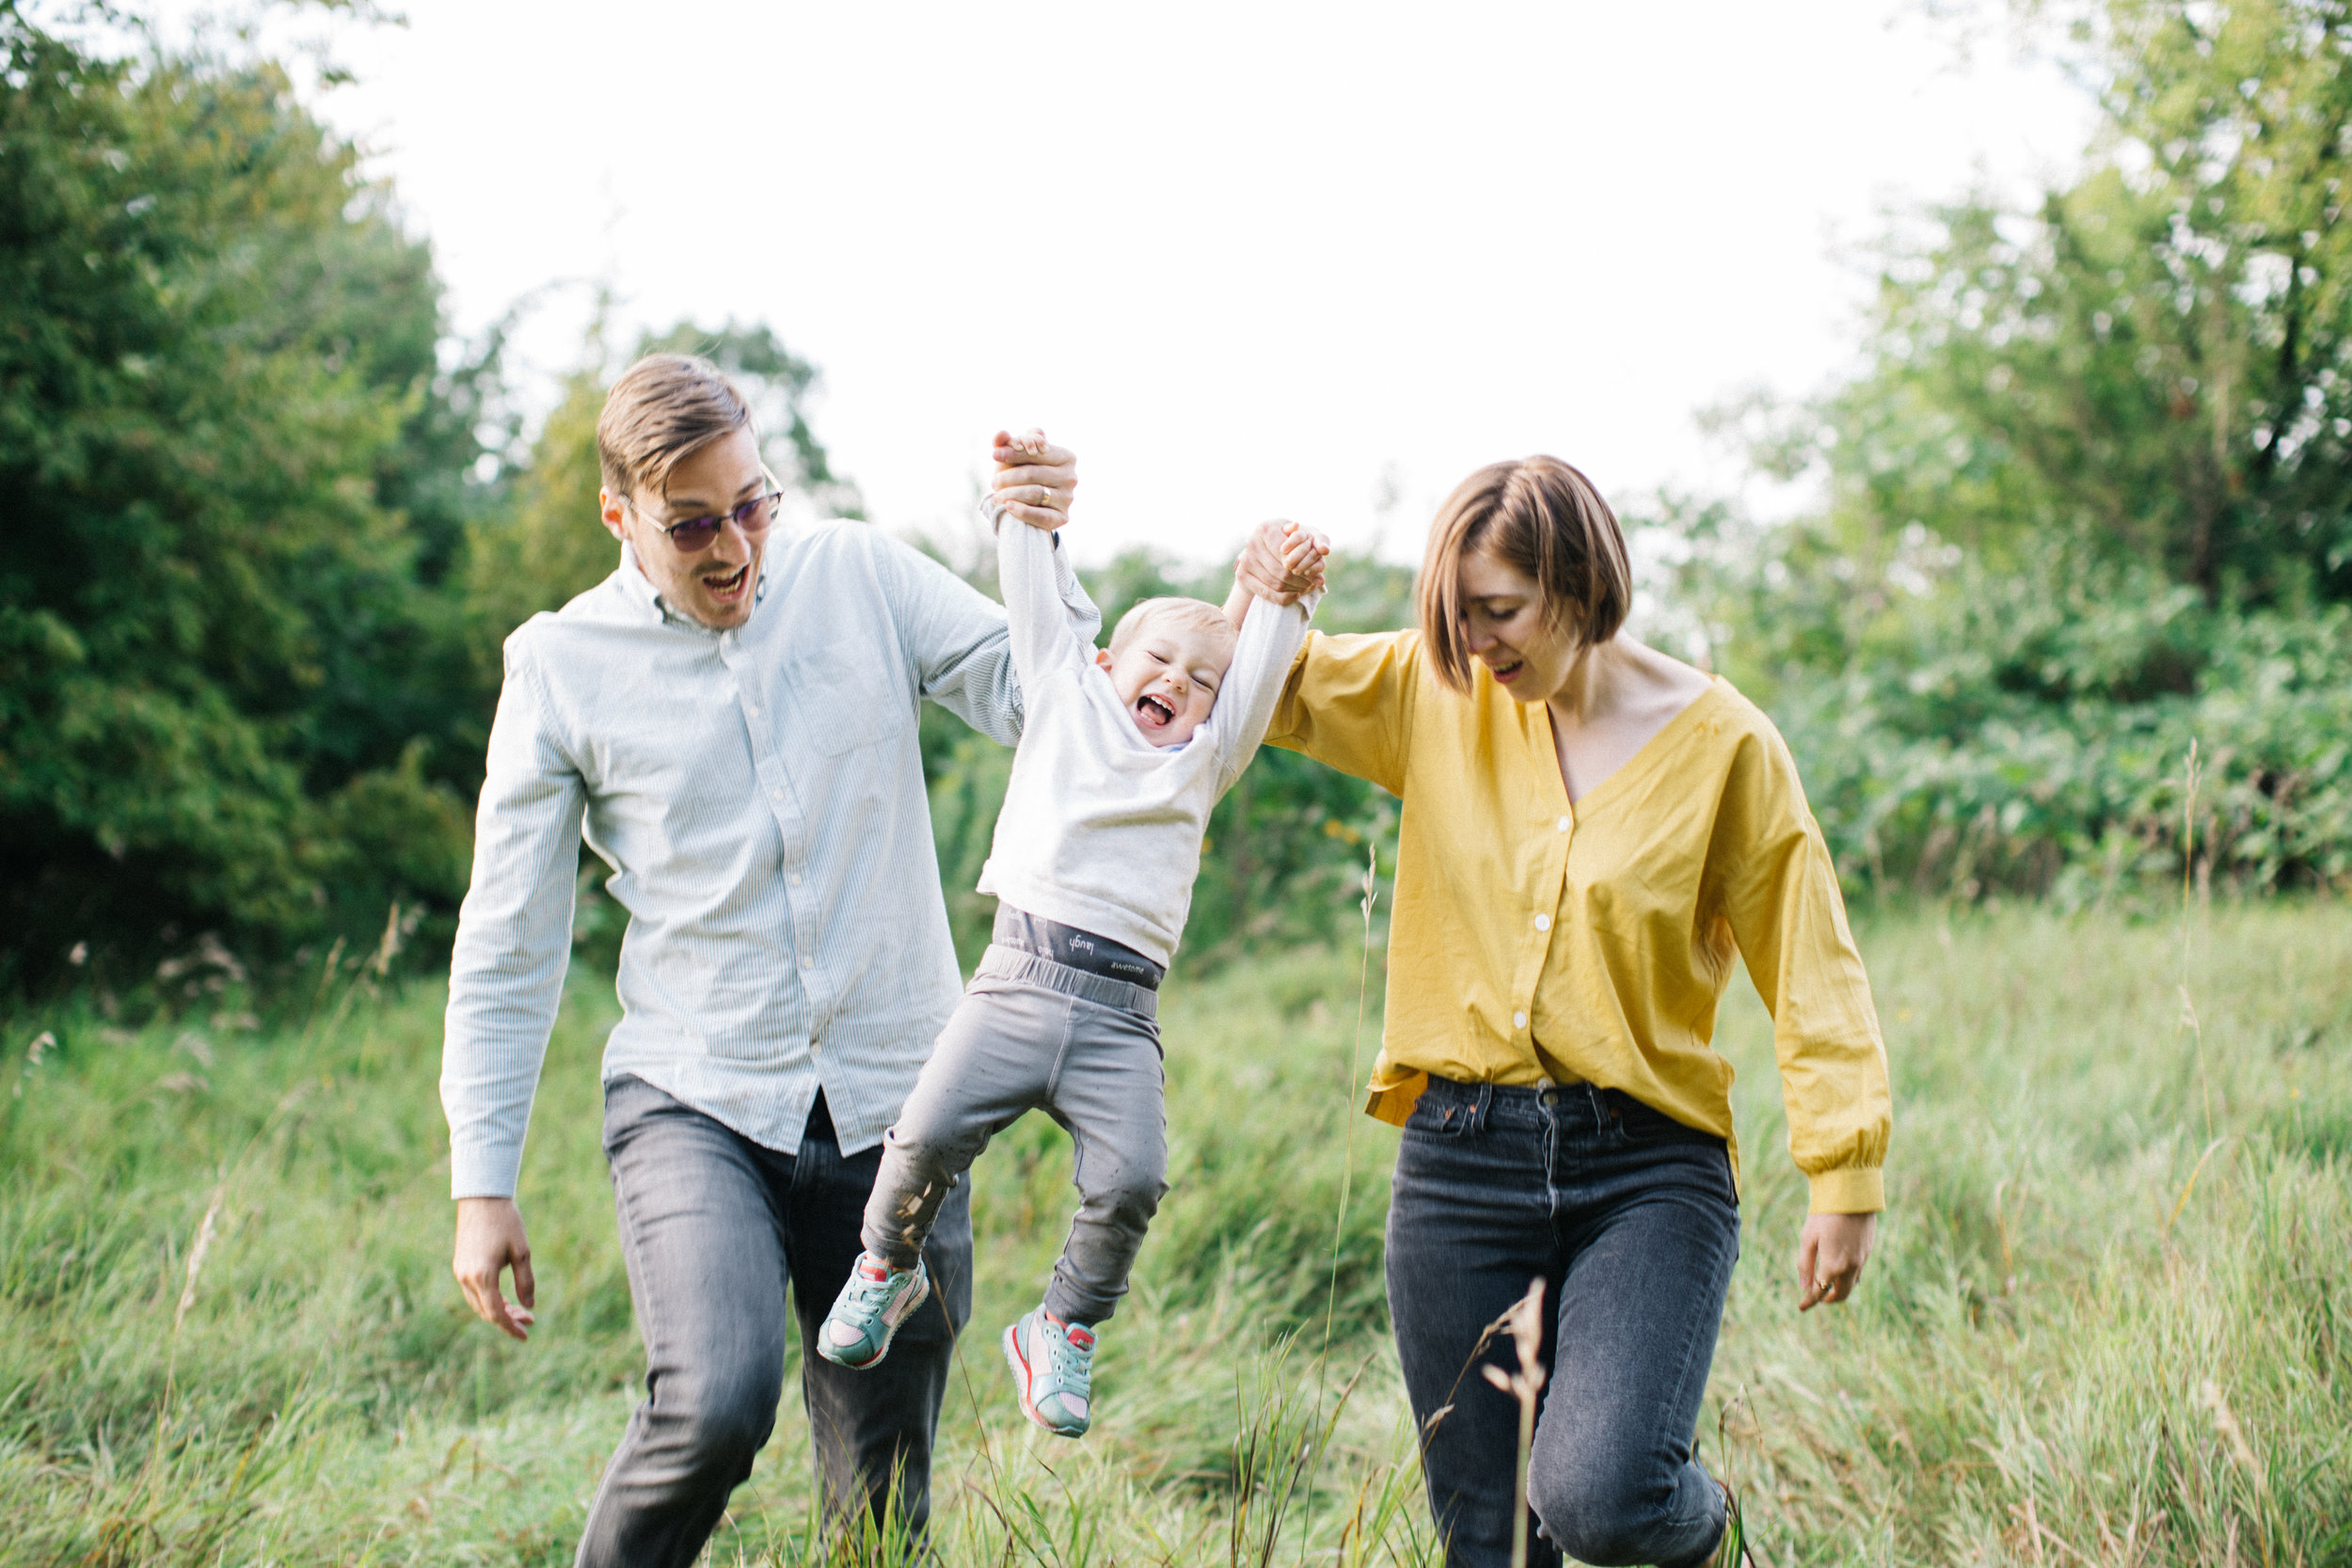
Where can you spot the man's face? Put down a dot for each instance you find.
(1166, 675)
(714, 584)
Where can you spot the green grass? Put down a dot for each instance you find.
(2076, 1344)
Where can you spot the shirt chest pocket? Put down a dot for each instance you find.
(848, 698)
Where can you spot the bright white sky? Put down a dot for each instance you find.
(1245, 258)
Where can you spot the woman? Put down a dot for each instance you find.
(1591, 830)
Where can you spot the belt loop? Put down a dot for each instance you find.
(1486, 1103)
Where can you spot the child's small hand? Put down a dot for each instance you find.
(1303, 558)
(1282, 561)
(1034, 478)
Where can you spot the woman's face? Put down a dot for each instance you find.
(1504, 628)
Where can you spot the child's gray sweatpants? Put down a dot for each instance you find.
(1085, 1048)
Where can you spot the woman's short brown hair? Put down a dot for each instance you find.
(666, 407)
(1543, 519)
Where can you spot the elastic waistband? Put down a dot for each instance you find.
(1007, 963)
(1066, 944)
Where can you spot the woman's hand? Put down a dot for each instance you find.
(1273, 566)
(1035, 480)
(1830, 1257)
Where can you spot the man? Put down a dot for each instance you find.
(730, 719)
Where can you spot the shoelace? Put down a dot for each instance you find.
(1065, 1362)
(868, 1290)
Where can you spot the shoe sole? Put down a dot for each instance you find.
(1020, 1366)
(913, 1302)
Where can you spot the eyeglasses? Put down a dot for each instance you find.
(696, 534)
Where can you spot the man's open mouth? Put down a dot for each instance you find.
(732, 583)
(1153, 711)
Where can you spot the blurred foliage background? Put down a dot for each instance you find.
(2090, 500)
(2085, 503)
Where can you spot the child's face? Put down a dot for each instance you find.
(1167, 676)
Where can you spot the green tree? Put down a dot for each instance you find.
(235, 470)
(2092, 497)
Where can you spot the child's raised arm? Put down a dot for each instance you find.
(1270, 634)
(1040, 589)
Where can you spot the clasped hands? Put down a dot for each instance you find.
(1035, 480)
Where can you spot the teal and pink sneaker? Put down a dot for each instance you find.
(873, 1303)
(1053, 1368)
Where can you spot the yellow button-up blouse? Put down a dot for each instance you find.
(1533, 939)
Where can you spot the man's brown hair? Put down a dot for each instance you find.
(664, 407)
(1544, 519)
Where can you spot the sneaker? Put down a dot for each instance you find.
(867, 1315)
(1053, 1368)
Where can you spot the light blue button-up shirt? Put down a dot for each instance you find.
(759, 795)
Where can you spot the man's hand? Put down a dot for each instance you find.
(489, 1239)
(1830, 1257)
(1282, 561)
(1035, 480)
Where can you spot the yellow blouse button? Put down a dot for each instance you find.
(1519, 1021)
(1543, 923)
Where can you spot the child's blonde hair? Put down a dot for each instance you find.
(1197, 613)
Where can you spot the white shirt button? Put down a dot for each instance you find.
(776, 795)
(796, 878)
(814, 1048)
(755, 708)
(1519, 1021)
(1543, 923)
(807, 962)
(1566, 822)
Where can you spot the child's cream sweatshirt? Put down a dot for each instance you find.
(1102, 829)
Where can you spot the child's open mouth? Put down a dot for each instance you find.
(1153, 714)
(728, 586)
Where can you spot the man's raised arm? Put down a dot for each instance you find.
(506, 979)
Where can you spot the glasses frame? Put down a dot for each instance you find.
(717, 522)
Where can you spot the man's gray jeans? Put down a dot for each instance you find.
(714, 1227)
(1031, 1034)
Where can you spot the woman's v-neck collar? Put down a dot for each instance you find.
(1645, 759)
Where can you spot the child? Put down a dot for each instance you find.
(1122, 754)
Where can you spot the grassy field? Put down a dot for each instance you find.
(2110, 1321)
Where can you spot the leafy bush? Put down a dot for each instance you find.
(2089, 503)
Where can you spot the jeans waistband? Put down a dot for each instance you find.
(1523, 1105)
(1006, 963)
(1067, 944)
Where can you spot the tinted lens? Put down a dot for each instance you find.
(754, 516)
(686, 538)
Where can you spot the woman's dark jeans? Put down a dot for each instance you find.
(1630, 1220)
